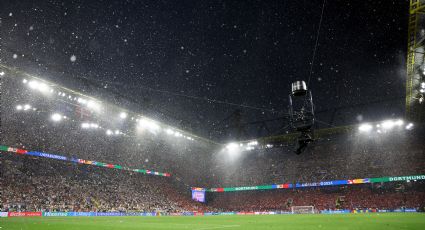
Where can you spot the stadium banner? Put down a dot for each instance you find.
(48, 214)
(187, 214)
(405, 210)
(335, 211)
(24, 214)
(226, 213)
(282, 212)
(81, 214)
(318, 184)
(79, 161)
(48, 155)
(410, 210)
(384, 210)
(153, 214)
(364, 210)
(111, 214)
(175, 214)
(148, 214)
(52, 214)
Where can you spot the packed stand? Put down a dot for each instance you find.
(35, 184)
(389, 197)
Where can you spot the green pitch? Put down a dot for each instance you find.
(340, 221)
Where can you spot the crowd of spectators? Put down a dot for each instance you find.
(35, 184)
(391, 196)
(338, 157)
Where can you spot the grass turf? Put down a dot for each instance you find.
(387, 221)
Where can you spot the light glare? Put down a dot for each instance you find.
(399, 122)
(56, 117)
(27, 107)
(33, 84)
(43, 87)
(409, 126)
(123, 115)
(388, 124)
(93, 105)
(232, 146)
(149, 124)
(365, 128)
(252, 143)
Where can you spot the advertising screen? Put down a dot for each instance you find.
(198, 195)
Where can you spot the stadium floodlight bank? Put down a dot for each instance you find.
(302, 210)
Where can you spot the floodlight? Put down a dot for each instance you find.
(19, 107)
(23, 81)
(170, 132)
(399, 122)
(85, 125)
(117, 132)
(409, 126)
(123, 115)
(82, 101)
(33, 84)
(27, 107)
(43, 87)
(388, 124)
(232, 146)
(95, 126)
(93, 105)
(109, 132)
(56, 117)
(365, 128)
(253, 143)
(149, 124)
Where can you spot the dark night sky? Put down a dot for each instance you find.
(244, 52)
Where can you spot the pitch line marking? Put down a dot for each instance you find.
(218, 227)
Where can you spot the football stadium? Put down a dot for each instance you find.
(212, 114)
